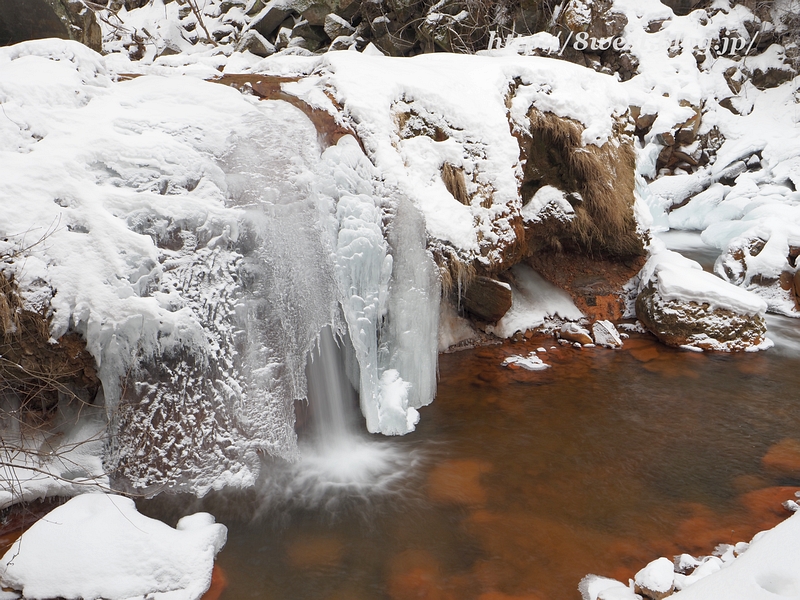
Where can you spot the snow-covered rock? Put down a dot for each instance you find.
(605, 334)
(99, 546)
(575, 333)
(682, 305)
(656, 580)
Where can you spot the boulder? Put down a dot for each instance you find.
(335, 26)
(682, 305)
(254, 42)
(22, 20)
(487, 299)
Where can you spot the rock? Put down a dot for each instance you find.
(22, 20)
(487, 299)
(335, 26)
(656, 580)
(771, 77)
(257, 44)
(269, 19)
(605, 334)
(682, 305)
(783, 459)
(458, 482)
(575, 333)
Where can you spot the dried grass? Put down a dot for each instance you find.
(604, 222)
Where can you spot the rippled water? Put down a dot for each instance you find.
(520, 483)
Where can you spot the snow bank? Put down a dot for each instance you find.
(99, 546)
(766, 568)
(746, 195)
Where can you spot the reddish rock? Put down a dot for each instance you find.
(310, 552)
(783, 459)
(458, 482)
(219, 581)
(487, 299)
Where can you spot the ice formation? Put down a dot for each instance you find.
(200, 241)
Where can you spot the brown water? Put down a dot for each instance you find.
(528, 481)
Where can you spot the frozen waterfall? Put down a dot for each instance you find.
(331, 253)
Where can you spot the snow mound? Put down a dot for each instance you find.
(99, 546)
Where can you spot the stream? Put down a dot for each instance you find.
(516, 484)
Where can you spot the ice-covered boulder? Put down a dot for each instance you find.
(99, 546)
(682, 305)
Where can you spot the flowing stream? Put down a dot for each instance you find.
(515, 484)
(524, 482)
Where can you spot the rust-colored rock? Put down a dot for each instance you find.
(678, 323)
(310, 552)
(458, 482)
(783, 459)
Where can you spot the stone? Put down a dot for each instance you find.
(771, 77)
(335, 26)
(269, 20)
(487, 298)
(255, 43)
(783, 459)
(22, 20)
(573, 332)
(679, 323)
(605, 334)
(656, 581)
(457, 481)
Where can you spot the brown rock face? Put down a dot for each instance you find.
(691, 324)
(22, 20)
(595, 284)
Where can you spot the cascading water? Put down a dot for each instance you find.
(340, 309)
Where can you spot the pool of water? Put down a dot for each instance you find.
(517, 484)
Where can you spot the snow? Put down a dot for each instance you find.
(679, 278)
(533, 302)
(552, 199)
(99, 546)
(657, 576)
(531, 362)
(766, 568)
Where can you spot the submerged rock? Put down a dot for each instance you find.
(575, 333)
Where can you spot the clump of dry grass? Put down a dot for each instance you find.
(34, 371)
(601, 179)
